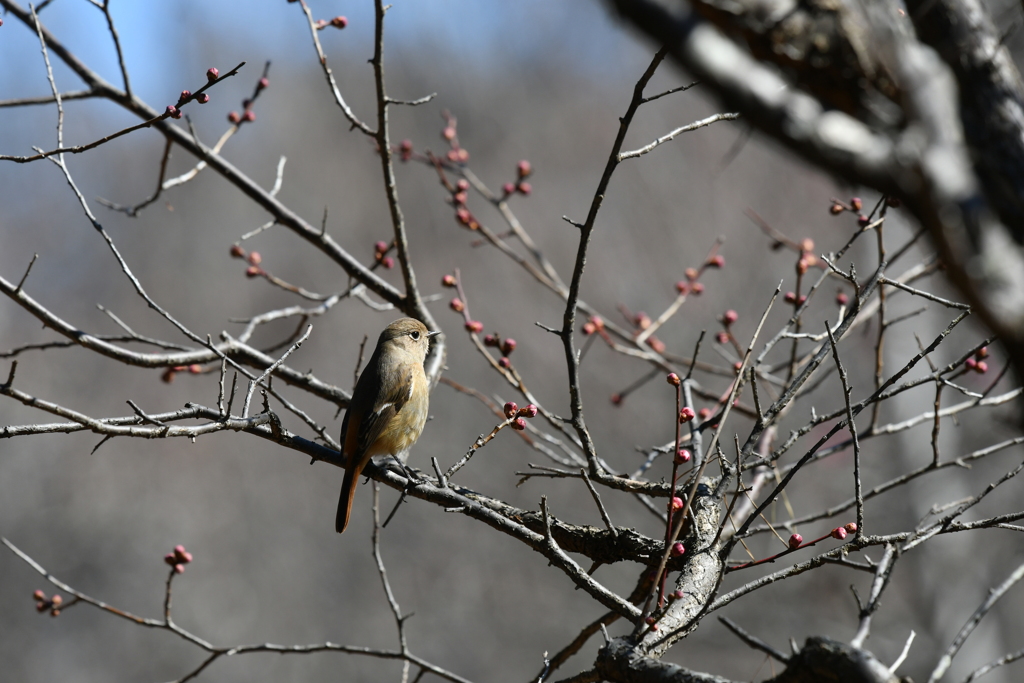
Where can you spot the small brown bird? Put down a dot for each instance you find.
(388, 407)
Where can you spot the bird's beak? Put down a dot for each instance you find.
(433, 333)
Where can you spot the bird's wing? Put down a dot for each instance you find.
(387, 406)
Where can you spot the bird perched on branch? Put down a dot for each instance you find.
(388, 407)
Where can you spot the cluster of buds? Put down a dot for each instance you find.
(506, 346)
(380, 251)
(518, 416)
(169, 373)
(459, 192)
(977, 362)
(463, 216)
(44, 603)
(841, 532)
(456, 155)
(692, 284)
(520, 186)
(253, 258)
(595, 324)
(642, 321)
(238, 119)
(338, 22)
(807, 258)
(792, 298)
(178, 558)
(856, 206)
(728, 319)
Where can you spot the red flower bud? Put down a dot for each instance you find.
(249, 116)
(504, 363)
(982, 352)
(524, 188)
(863, 221)
(202, 98)
(691, 274)
(508, 188)
(253, 271)
(675, 504)
(704, 413)
(212, 74)
(475, 326)
(795, 540)
(801, 266)
(255, 259)
(508, 346)
(448, 133)
(519, 424)
(839, 533)
(388, 262)
(981, 368)
(234, 118)
(457, 305)
(716, 261)
(492, 340)
(185, 94)
(842, 299)
(722, 337)
(529, 410)
(656, 344)
(39, 595)
(173, 111)
(697, 288)
(616, 399)
(971, 364)
(682, 456)
(510, 409)
(523, 168)
(730, 317)
(677, 549)
(673, 379)
(856, 204)
(339, 22)
(448, 281)
(685, 415)
(851, 527)
(682, 287)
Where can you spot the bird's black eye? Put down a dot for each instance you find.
(415, 335)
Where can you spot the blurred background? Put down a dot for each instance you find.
(529, 80)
